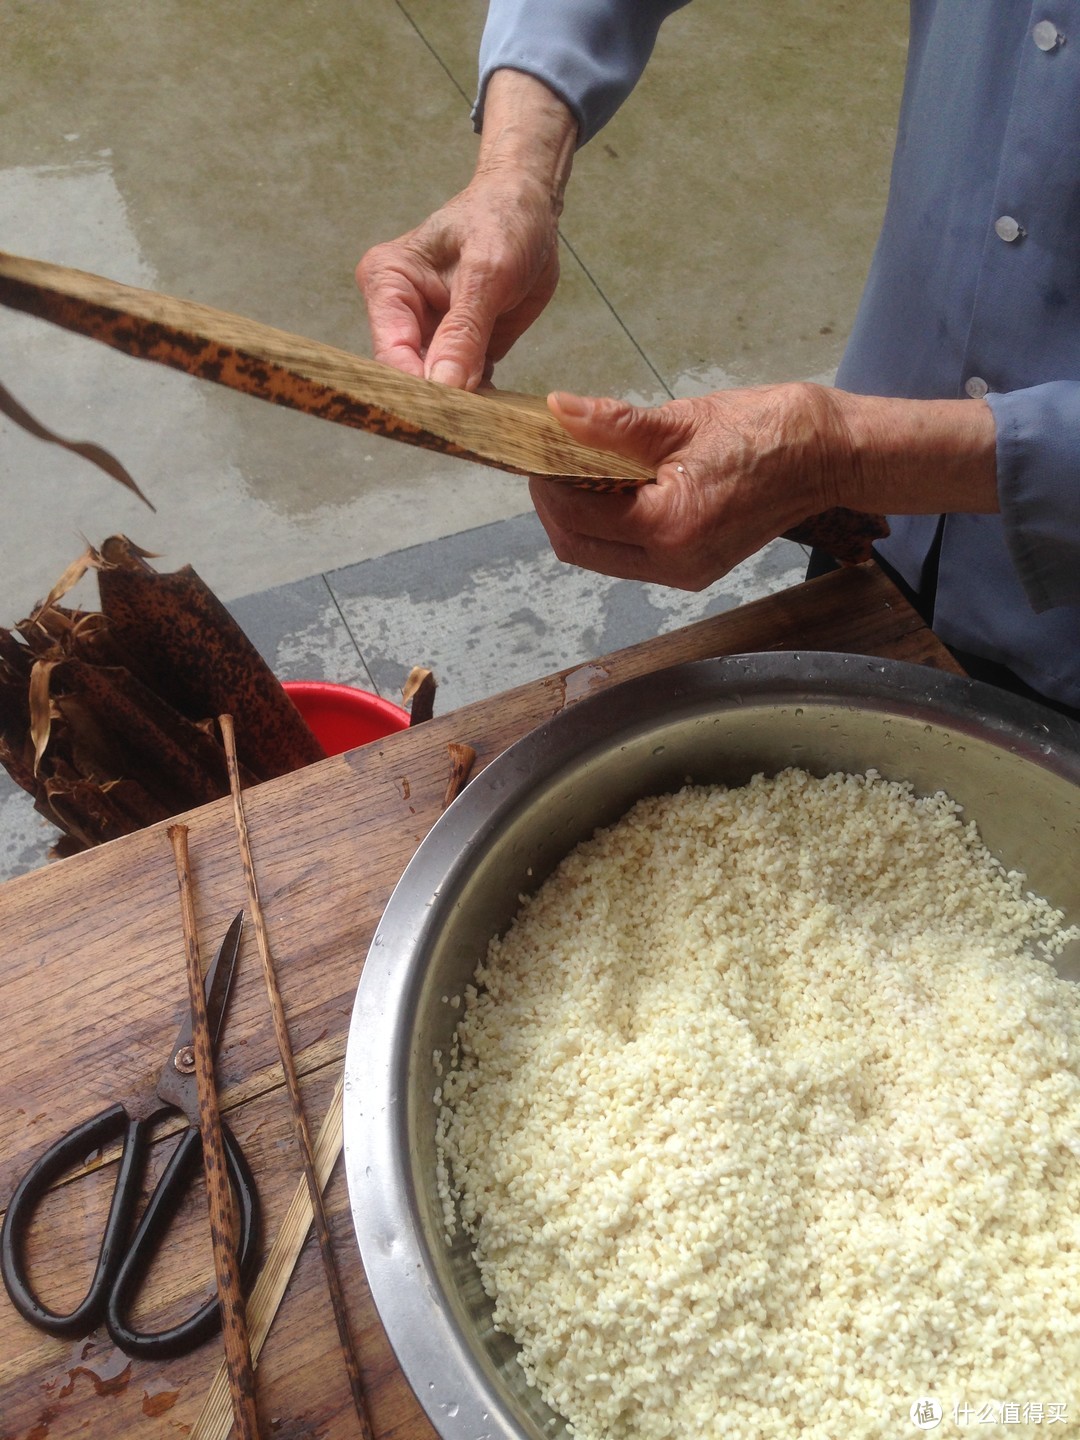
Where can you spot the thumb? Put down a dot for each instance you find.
(646, 435)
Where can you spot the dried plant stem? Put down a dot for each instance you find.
(269, 1289)
(292, 1085)
(222, 1230)
(10, 407)
(419, 694)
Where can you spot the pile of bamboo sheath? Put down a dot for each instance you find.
(107, 717)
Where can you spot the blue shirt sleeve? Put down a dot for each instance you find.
(589, 52)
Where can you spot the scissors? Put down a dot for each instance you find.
(122, 1263)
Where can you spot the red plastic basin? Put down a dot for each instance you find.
(342, 717)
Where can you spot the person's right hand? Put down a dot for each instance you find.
(450, 298)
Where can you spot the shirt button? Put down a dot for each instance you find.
(1046, 35)
(976, 387)
(1008, 228)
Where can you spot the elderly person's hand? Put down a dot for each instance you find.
(449, 299)
(737, 468)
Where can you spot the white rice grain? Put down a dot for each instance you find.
(765, 1121)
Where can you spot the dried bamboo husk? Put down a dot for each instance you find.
(84, 809)
(16, 751)
(107, 717)
(18, 762)
(192, 653)
(13, 656)
(128, 730)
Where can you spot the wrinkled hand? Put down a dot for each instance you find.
(734, 470)
(449, 299)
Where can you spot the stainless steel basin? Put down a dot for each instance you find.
(1013, 766)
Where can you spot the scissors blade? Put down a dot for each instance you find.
(177, 1083)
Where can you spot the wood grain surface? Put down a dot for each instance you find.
(95, 989)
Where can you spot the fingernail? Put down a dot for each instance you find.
(448, 372)
(572, 405)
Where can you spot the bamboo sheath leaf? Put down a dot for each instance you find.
(192, 652)
(17, 762)
(96, 454)
(511, 432)
(172, 757)
(40, 707)
(107, 717)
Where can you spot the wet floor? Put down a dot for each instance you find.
(717, 233)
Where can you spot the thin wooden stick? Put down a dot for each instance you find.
(292, 1084)
(269, 1289)
(230, 1294)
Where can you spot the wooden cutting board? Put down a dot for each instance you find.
(499, 428)
(95, 938)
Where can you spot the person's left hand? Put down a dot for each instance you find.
(734, 470)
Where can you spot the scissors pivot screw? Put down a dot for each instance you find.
(184, 1059)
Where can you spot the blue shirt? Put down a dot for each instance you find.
(974, 287)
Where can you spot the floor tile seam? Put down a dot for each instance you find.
(513, 523)
(444, 66)
(369, 679)
(623, 326)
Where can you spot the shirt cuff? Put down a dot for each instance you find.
(590, 53)
(1038, 466)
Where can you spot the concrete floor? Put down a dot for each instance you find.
(717, 233)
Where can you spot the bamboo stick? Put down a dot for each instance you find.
(292, 1084)
(222, 1229)
(267, 1293)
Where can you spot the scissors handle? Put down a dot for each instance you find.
(68, 1152)
(162, 1207)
